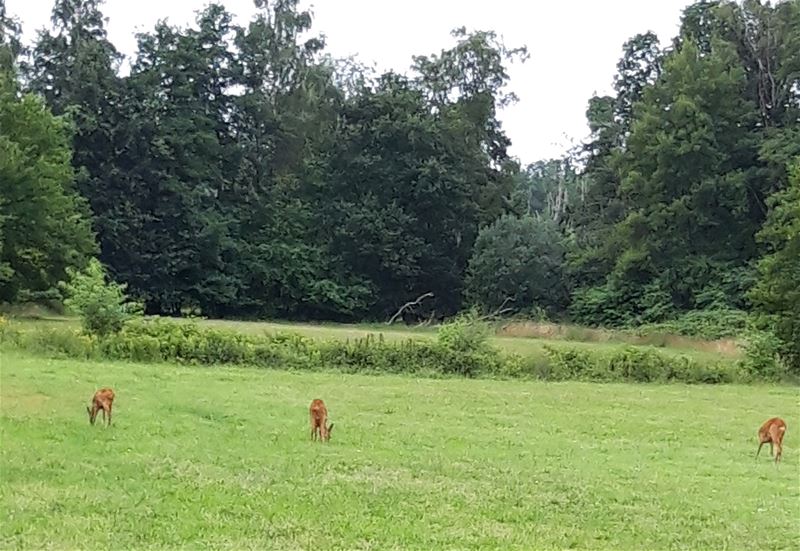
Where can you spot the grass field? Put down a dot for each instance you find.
(221, 458)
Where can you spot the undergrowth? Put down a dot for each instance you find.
(462, 348)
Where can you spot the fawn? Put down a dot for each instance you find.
(102, 400)
(772, 432)
(319, 420)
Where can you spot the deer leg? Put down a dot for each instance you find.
(759, 449)
(104, 414)
(109, 416)
(771, 451)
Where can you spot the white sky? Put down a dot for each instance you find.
(574, 45)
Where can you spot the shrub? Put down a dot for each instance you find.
(761, 356)
(634, 364)
(8, 335)
(465, 340)
(637, 364)
(705, 324)
(599, 306)
(521, 258)
(59, 343)
(100, 303)
(462, 349)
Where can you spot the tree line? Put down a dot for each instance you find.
(242, 171)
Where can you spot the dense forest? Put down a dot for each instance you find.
(243, 172)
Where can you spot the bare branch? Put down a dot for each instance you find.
(495, 314)
(408, 305)
(500, 310)
(502, 306)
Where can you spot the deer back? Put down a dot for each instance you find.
(103, 397)
(772, 430)
(318, 411)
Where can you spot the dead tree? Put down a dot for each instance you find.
(408, 305)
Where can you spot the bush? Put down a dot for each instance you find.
(600, 306)
(60, 343)
(762, 356)
(466, 339)
(7, 333)
(462, 349)
(101, 304)
(633, 364)
(370, 354)
(521, 258)
(705, 324)
(640, 365)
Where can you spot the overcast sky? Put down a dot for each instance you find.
(573, 44)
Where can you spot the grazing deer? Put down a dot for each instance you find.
(319, 420)
(772, 432)
(102, 400)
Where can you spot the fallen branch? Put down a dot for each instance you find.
(408, 305)
(499, 312)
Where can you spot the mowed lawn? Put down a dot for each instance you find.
(221, 458)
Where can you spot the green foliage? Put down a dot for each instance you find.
(101, 304)
(706, 324)
(44, 223)
(520, 258)
(679, 164)
(240, 171)
(549, 189)
(59, 342)
(161, 340)
(635, 365)
(639, 68)
(762, 356)
(691, 132)
(467, 339)
(10, 43)
(8, 335)
(777, 292)
(462, 348)
(236, 171)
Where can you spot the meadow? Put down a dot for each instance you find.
(220, 457)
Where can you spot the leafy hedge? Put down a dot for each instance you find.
(705, 324)
(640, 365)
(461, 349)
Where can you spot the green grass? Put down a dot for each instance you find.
(221, 458)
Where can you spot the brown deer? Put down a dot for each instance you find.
(319, 421)
(103, 400)
(772, 432)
